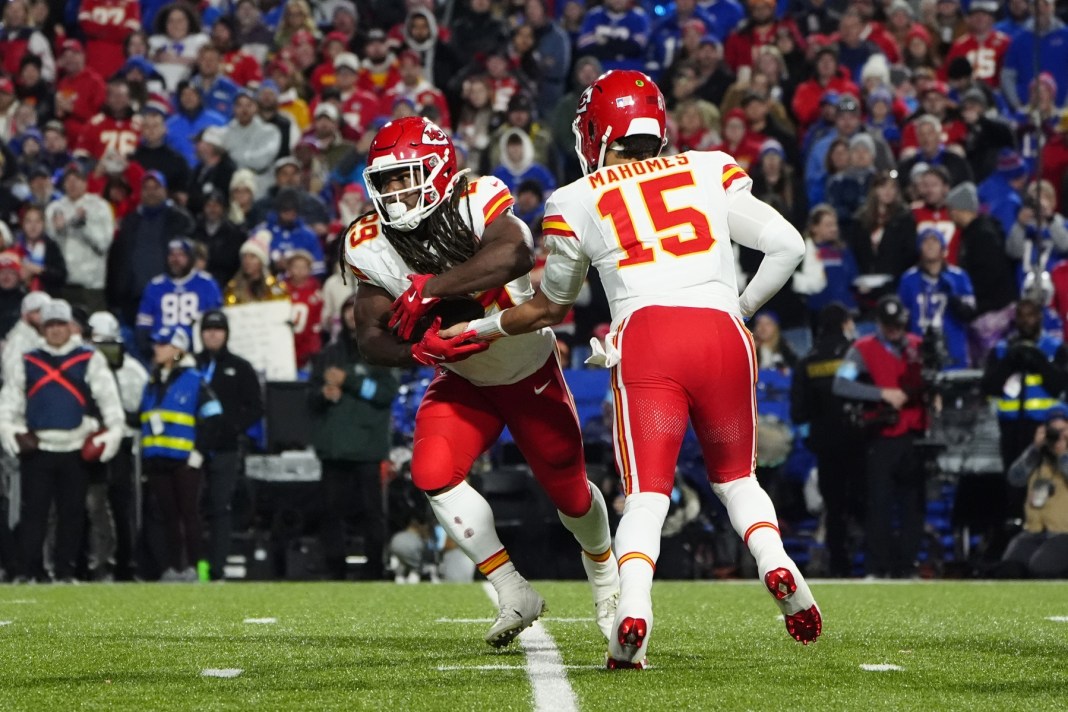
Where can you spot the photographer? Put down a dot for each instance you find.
(1041, 549)
(891, 361)
(1027, 374)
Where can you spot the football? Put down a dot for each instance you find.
(91, 452)
(452, 310)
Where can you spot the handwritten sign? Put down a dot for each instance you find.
(262, 334)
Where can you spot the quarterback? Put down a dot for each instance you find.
(659, 229)
(433, 235)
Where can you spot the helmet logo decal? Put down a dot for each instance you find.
(639, 83)
(584, 100)
(624, 101)
(433, 136)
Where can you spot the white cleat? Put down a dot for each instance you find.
(604, 580)
(606, 614)
(520, 606)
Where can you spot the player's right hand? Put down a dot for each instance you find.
(434, 349)
(410, 306)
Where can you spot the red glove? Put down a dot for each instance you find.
(434, 350)
(410, 306)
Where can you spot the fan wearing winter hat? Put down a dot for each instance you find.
(25, 335)
(179, 413)
(254, 281)
(57, 392)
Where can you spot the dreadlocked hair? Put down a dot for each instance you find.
(453, 241)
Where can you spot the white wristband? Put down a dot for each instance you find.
(487, 328)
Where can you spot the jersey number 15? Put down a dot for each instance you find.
(613, 206)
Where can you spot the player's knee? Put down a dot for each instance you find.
(730, 488)
(432, 464)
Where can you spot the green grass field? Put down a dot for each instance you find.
(974, 646)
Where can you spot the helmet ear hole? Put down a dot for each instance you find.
(590, 130)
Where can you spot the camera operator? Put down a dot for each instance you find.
(813, 406)
(1027, 374)
(1041, 549)
(891, 360)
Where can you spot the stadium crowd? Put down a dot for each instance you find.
(161, 160)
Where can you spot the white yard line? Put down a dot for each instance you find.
(221, 672)
(881, 667)
(544, 666)
(490, 620)
(261, 621)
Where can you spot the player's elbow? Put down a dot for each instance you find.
(522, 260)
(793, 245)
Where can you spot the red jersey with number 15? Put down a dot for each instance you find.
(374, 260)
(656, 230)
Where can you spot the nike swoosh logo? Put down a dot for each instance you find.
(537, 391)
(411, 297)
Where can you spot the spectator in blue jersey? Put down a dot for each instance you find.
(189, 121)
(177, 297)
(287, 175)
(1017, 17)
(666, 36)
(616, 33)
(179, 421)
(728, 14)
(217, 89)
(59, 392)
(517, 163)
(1018, 69)
(839, 265)
(288, 232)
(939, 297)
(1002, 192)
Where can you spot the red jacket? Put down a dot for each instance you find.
(88, 92)
(307, 319)
(806, 103)
(742, 44)
(104, 132)
(890, 370)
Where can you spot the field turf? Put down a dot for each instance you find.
(717, 646)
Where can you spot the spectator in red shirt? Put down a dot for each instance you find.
(378, 70)
(307, 298)
(334, 43)
(829, 77)
(238, 64)
(760, 28)
(116, 127)
(983, 46)
(106, 24)
(737, 141)
(80, 92)
(18, 37)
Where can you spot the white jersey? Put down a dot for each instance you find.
(656, 230)
(373, 259)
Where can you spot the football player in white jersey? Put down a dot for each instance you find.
(659, 231)
(434, 234)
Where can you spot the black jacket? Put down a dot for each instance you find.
(811, 398)
(170, 163)
(224, 249)
(982, 255)
(237, 387)
(139, 253)
(355, 428)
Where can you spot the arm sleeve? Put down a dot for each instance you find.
(565, 270)
(13, 394)
(755, 224)
(1024, 465)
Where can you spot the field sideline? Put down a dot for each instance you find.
(960, 645)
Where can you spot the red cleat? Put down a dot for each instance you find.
(780, 583)
(614, 664)
(805, 624)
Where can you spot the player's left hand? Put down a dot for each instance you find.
(410, 306)
(454, 330)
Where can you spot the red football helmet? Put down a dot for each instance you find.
(421, 148)
(619, 103)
